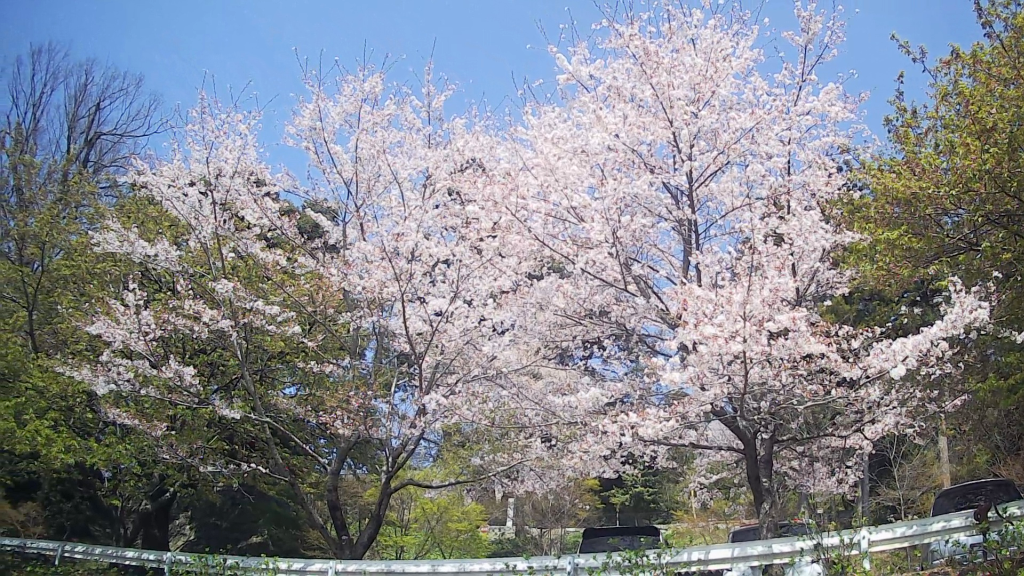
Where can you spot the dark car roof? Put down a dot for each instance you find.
(616, 538)
(752, 532)
(610, 531)
(970, 495)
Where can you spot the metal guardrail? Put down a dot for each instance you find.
(863, 541)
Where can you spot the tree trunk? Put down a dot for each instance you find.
(766, 499)
(769, 513)
(152, 526)
(865, 489)
(759, 464)
(356, 548)
(944, 468)
(156, 529)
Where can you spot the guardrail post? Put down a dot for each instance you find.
(60, 551)
(865, 547)
(332, 569)
(168, 560)
(570, 566)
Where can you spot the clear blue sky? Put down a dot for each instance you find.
(479, 43)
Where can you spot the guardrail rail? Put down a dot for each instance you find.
(862, 541)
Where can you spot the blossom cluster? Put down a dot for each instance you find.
(638, 263)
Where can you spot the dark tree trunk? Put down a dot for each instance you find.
(804, 504)
(152, 525)
(864, 488)
(156, 527)
(760, 463)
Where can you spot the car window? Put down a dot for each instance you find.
(970, 496)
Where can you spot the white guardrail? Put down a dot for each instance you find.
(861, 541)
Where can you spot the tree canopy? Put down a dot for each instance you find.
(675, 280)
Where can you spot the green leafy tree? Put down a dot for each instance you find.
(425, 524)
(68, 130)
(947, 198)
(634, 490)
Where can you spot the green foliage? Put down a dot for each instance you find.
(435, 524)
(909, 478)
(520, 546)
(1001, 553)
(221, 566)
(842, 560)
(636, 563)
(245, 520)
(63, 459)
(54, 434)
(544, 516)
(684, 535)
(636, 488)
(22, 565)
(529, 543)
(945, 199)
(571, 542)
(47, 274)
(19, 565)
(642, 497)
(24, 519)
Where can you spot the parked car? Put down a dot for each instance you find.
(620, 538)
(752, 533)
(961, 498)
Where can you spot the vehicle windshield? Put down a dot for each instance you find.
(970, 496)
(618, 539)
(752, 533)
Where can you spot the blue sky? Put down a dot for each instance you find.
(479, 43)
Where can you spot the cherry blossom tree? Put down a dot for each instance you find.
(310, 335)
(680, 182)
(639, 263)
